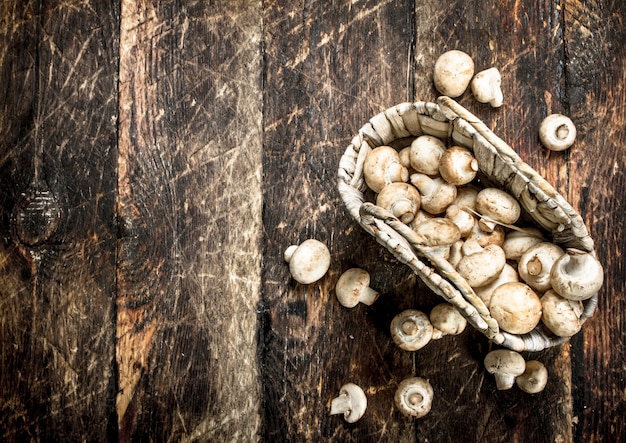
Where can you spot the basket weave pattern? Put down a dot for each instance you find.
(499, 166)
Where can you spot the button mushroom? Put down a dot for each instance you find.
(577, 275)
(518, 242)
(496, 206)
(557, 132)
(382, 166)
(516, 307)
(414, 397)
(353, 287)
(486, 87)
(401, 199)
(505, 365)
(438, 233)
(309, 261)
(425, 153)
(462, 219)
(495, 237)
(483, 266)
(411, 330)
(507, 275)
(453, 72)
(351, 402)
(560, 315)
(458, 166)
(535, 264)
(436, 194)
(446, 320)
(534, 378)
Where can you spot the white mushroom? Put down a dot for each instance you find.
(557, 132)
(436, 193)
(486, 87)
(507, 275)
(351, 402)
(505, 365)
(560, 315)
(382, 166)
(518, 242)
(411, 330)
(414, 397)
(496, 237)
(453, 72)
(438, 233)
(496, 206)
(446, 320)
(577, 275)
(516, 307)
(353, 287)
(535, 264)
(309, 261)
(466, 197)
(534, 378)
(401, 199)
(462, 219)
(483, 266)
(458, 166)
(425, 153)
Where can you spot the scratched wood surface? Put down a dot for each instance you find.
(156, 159)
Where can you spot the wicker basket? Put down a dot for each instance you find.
(499, 166)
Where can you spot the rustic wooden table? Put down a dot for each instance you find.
(156, 159)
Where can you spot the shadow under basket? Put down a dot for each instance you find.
(499, 166)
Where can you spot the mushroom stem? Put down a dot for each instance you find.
(341, 404)
(368, 296)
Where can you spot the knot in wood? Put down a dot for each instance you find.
(36, 217)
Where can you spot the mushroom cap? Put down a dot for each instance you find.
(447, 319)
(401, 199)
(414, 397)
(411, 330)
(462, 219)
(557, 132)
(577, 275)
(352, 402)
(534, 378)
(458, 166)
(505, 365)
(497, 205)
(560, 315)
(486, 87)
(518, 242)
(309, 261)
(536, 263)
(496, 237)
(351, 286)
(382, 166)
(425, 154)
(436, 194)
(481, 268)
(453, 72)
(438, 232)
(507, 275)
(515, 307)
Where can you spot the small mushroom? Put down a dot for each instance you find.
(483, 266)
(505, 365)
(486, 87)
(534, 378)
(496, 206)
(446, 320)
(353, 287)
(436, 193)
(507, 275)
(535, 264)
(309, 261)
(466, 197)
(453, 72)
(577, 275)
(458, 166)
(382, 166)
(518, 242)
(401, 199)
(496, 237)
(411, 330)
(438, 233)
(414, 397)
(462, 219)
(425, 153)
(560, 315)
(351, 402)
(516, 307)
(557, 132)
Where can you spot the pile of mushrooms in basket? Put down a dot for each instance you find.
(452, 201)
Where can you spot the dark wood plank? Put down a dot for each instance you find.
(57, 201)
(190, 220)
(329, 68)
(595, 87)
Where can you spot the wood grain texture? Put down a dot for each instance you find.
(57, 195)
(190, 214)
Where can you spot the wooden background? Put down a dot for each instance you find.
(156, 158)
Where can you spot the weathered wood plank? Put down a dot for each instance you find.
(57, 200)
(329, 68)
(190, 220)
(595, 85)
